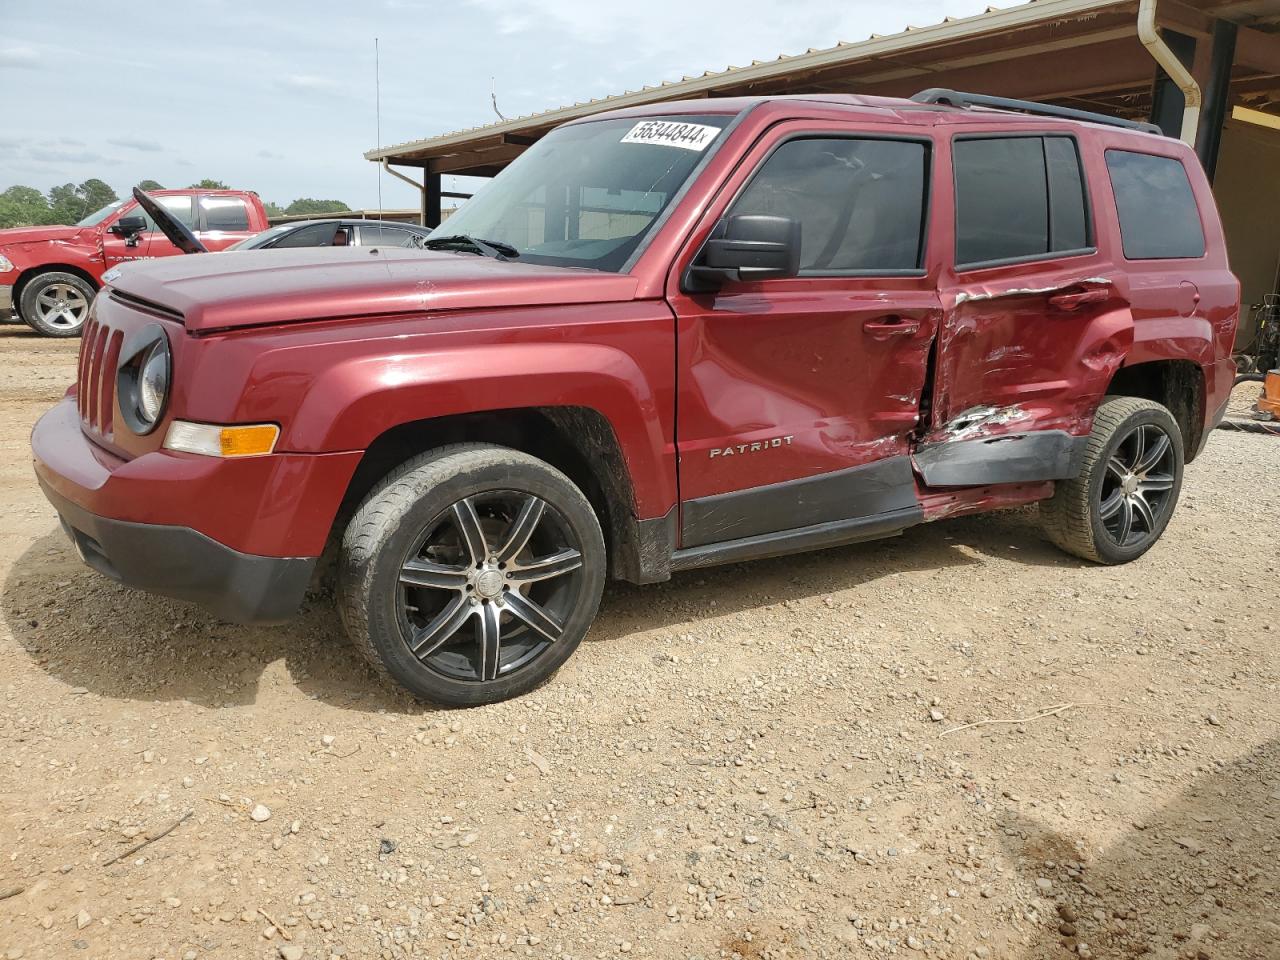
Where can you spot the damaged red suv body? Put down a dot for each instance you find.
(664, 338)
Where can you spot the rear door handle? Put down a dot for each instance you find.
(1075, 299)
(891, 326)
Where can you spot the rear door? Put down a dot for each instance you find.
(224, 220)
(797, 397)
(1036, 322)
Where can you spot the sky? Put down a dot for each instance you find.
(278, 96)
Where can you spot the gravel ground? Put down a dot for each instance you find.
(765, 761)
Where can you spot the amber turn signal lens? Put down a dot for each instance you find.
(212, 440)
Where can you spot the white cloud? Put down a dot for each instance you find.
(132, 143)
(21, 57)
(309, 83)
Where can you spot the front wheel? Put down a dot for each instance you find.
(1121, 502)
(56, 304)
(471, 573)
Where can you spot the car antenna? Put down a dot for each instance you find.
(377, 113)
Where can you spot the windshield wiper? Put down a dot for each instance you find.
(489, 248)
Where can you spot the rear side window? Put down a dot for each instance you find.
(1018, 198)
(860, 203)
(1158, 215)
(224, 213)
(312, 235)
(372, 236)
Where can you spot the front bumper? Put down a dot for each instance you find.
(240, 537)
(184, 563)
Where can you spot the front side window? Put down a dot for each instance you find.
(1018, 198)
(224, 213)
(589, 194)
(860, 202)
(1158, 215)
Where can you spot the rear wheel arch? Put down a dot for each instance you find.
(1177, 385)
(578, 441)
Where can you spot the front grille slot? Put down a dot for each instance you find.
(96, 377)
(107, 401)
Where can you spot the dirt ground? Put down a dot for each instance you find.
(763, 761)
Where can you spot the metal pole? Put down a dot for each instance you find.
(1216, 95)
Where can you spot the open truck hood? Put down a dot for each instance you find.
(252, 288)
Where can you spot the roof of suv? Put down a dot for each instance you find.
(873, 106)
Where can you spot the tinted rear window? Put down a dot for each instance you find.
(1157, 210)
(225, 213)
(1018, 197)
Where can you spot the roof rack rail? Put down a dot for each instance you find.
(955, 98)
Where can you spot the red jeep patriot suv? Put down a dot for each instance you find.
(663, 338)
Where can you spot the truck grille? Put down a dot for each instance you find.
(96, 377)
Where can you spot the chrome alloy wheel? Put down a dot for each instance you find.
(1136, 489)
(62, 305)
(487, 587)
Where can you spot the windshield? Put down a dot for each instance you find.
(93, 219)
(587, 195)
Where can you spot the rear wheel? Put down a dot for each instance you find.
(1121, 502)
(56, 304)
(470, 574)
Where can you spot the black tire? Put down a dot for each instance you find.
(1085, 515)
(419, 508)
(56, 304)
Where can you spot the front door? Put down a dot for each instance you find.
(1036, 320)
(183, 208)
(797, 397)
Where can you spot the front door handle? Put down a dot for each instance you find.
(891, 326)
(1075, 299)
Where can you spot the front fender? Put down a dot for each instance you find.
(342, 389)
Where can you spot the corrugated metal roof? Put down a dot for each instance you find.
(877, 45)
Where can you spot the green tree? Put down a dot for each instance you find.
(273, 210)
(69, 203)
(22, 206)
(96, 194)
(307, 205)
(207, 184)
(150, 185)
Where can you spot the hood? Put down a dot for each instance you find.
(39, 234)
(246, 288)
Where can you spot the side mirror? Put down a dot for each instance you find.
(129, 226)
(747, 247)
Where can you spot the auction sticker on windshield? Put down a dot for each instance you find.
(669, 133)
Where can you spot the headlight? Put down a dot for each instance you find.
(143, 378)
(5, 264)
(153, 382)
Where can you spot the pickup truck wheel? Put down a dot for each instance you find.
(471, 573)
(1121, 502)
(56, 304)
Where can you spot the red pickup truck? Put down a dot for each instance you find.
(663, 338)
(50, 274)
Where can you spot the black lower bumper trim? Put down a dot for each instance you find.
(184, 563)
